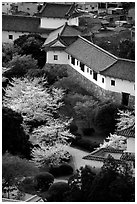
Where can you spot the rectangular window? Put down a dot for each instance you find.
(90, 72)
(82, 66)
(87, 70)
(73, 60)
(112, 82)
(55, 57)
(68, 56)
(10, 37)
(77, 62)
(95, 75)
(102, 80)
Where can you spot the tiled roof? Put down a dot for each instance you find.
(63, 32)
(97, 155)
(102, 61)
(54, 35)
(122, 69)
(55, 10)
(127, 132)
(22, 24)
(90, 54)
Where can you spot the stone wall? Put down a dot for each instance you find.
(98, 92)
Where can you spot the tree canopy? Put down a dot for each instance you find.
(14, 169)
(14, 138)
(31, 44)
(20, 65)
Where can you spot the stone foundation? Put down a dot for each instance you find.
(96, 91)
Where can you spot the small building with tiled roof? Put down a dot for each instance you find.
(54, 15)
(15, 26)
(113, 75)
(57, 42)
(97, 157)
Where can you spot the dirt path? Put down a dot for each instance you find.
(76, 161)
(77, 156)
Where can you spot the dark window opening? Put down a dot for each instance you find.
(90, 72)
(55, 57)
(95, 75)
(77, 62)
(82, 66)
(102, 80)
(125, 99)
(112, 82)
(87, 70)
(73, 60)
(68, 56)
(10, 37)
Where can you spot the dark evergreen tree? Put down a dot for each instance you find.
(14, 139)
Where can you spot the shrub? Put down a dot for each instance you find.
(55, 72)
(104, 117)
(14, 138)
(88, 131)
(27, 185)
(35, 73)
(85, 144)
(31, 45)
(20, 65)
(43, 181)
(73, 128)
(56, 192)
(54, 170)
(70, 85)
(65, 169)
(61, 170)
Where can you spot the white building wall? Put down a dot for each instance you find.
(88, 73)
(5, 36)
(120, 86)
(93, 163)
(51, 23)
(130, 145)
(62, 57)
(73, 21)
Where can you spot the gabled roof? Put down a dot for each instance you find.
(22, 24)
(63, 31)
(90, 54)
(122, 69)
(102, 61)
(127, 132)
(55, 10)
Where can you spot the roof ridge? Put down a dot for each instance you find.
(43, 7)
(108, 66)
(65, 24)
(128, 60)
(71, 6)
(10, 16)
(108, 53)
